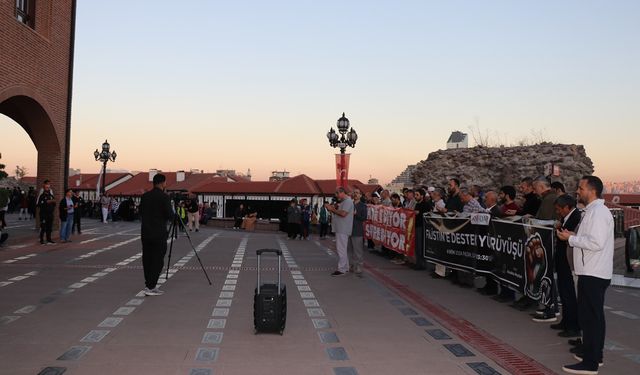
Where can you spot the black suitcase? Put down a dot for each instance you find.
(270, 301)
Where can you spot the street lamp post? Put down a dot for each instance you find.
(347, 138)
(104, 156)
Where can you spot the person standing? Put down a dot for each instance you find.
(454, 203)
(342, 223)
(5, 197)
(422, 206)
(305, 219)
(79, 212)
(24, 206)
(570, 218)
(238, 215)
(355, 247)
(105, 202)
(531, 201)
(324, 221)
(155, 212)
(66, 209)
(293, 219)
(593, 262)
(193, 214)
(47, 205)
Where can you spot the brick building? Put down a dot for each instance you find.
(36, 72)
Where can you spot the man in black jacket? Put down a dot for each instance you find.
(47, 206)
(79, 212)
(155, 211)
(531, 200)
(566, 209)
(422, 206)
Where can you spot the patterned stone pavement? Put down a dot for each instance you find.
(77, 309)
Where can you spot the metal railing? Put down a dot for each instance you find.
(630, 216)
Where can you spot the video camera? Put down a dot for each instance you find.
(179, 196)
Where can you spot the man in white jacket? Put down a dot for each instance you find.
(593, 262)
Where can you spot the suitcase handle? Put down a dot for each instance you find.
(275, 251)
(279, 254)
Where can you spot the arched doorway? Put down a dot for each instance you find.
(25, 109)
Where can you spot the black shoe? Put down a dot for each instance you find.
(524, 304)
(51, 242)
(338, 273)
(575, 342)
(569, 333)
(558, 327)
(581, 369)
(487, 291)
(579, 358)
(546, 318)
(42, 242)
(576, 350)
(502, 298)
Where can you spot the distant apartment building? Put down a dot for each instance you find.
(458, 140)
(627, 187)
(279, 176)
(403, 180)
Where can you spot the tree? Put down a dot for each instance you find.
(21, 171)
(480, 137)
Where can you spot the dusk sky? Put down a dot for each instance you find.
(257, 84)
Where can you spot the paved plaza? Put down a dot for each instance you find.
(77, 308)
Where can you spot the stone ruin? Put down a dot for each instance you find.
(492, 167)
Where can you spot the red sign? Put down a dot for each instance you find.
(393, 228)
(342, 169)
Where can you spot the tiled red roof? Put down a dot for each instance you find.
(328, 187)
(301, 184)
(298, 185)
(368, 188)
(88, 181)
(194, 180)
(239, 179)
(139, 184)
(29, 180)
(254, 187)
(623, 199)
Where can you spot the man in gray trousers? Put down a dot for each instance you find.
(355, 248)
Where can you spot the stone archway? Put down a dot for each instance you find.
(25, 107)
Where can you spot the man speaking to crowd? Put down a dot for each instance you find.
(155, 211)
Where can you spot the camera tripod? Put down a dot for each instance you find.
(173, 232)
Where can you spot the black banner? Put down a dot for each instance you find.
(518, 255)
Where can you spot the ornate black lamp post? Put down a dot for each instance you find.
(104, 156)
(348, 137)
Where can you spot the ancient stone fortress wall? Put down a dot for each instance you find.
(492, 167)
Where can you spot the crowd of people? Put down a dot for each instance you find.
(584, 228)
(584, 232)
(41, 206)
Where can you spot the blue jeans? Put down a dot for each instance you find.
(65, 228)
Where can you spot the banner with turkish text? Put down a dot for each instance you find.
(393, 228)
(518, 255)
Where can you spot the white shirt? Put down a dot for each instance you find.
(564, 219)
(439, 204)
(593, 244)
